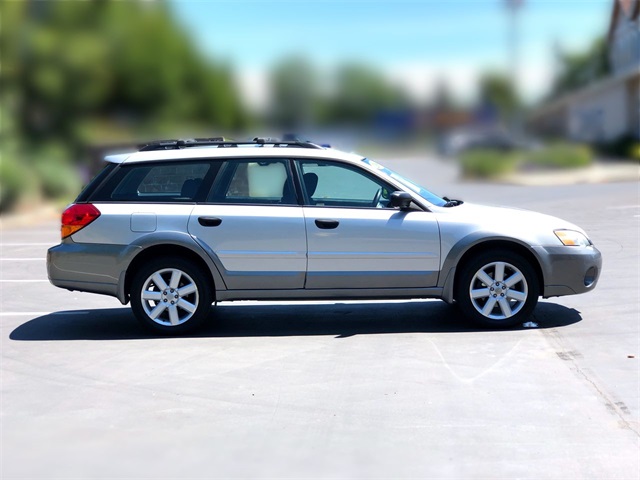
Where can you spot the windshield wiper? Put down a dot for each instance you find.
(452, 202)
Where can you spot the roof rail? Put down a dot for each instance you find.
(221, 142)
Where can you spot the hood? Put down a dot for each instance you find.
(533, 227)
(514, 216)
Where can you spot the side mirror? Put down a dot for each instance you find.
(400, 200)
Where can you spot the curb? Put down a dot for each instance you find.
(598, 173)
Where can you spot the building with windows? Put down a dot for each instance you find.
(608, 108)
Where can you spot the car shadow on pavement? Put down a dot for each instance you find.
(340, 320)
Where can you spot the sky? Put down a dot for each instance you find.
(415, 44)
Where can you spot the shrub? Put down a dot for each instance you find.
(43, 173)
(57, 179)
(625, 146)
(17, 179)
(487, 163)
(13, 181)
(561, 155)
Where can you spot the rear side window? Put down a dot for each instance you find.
(160, 182)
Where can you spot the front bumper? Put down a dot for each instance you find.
(569, 270)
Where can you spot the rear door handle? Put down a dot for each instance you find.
(326, 224)
(209, 221)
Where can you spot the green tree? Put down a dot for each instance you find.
(294, 93)
(77, 73)
(73, 62)
(579, 69)
(496, 90)
(361, 93)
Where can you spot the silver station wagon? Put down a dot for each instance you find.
(182, 224)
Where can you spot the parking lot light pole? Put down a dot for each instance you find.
(513, 6)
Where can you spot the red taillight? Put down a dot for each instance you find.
(78, 216)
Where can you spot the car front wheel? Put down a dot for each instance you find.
(498, 289)
(170, 296)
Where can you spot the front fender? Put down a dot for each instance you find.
(451, 260)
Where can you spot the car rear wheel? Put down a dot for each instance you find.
(498, 289)
(171, 296)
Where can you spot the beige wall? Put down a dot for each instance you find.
(600, 116)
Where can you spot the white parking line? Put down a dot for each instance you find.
(623, 207)
(22, 281)
(17, 259)
(28, 314)
(26, 231)
(50, 244)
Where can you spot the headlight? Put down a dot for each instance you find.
(572, 238)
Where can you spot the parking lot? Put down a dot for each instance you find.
(403, 389)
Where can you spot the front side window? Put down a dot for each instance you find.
(423, 192)
(336, 185)
(263, 182)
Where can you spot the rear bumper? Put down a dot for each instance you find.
(90, 267)
(569, 270)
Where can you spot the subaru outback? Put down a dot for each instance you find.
(182, 224)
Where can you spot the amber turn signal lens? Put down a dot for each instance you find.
(572, 238)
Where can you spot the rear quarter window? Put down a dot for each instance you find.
(95, 182)
(159, 182)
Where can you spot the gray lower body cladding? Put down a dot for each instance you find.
(90, 267)
(101, 268)
(569, 270)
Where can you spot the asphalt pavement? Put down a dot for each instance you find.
(404, 389)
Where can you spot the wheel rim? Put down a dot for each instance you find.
(169, 297)
(498, 290)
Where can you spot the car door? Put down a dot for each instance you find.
(355, 240)
(253, 227)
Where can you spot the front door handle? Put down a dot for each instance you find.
(209, 221)
(326, 224)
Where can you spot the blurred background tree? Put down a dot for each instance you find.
(294, 94)
(360, 94)
(75, 74)
(497, 92)
(578, 69)
(354, 94)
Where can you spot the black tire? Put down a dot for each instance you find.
(497, 302)
(191, 306)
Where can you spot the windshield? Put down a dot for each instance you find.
(423, 192)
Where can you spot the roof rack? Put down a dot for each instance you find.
(221, 142)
